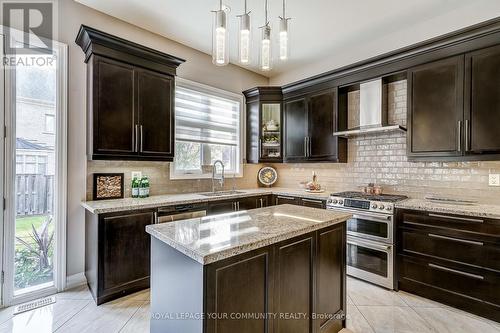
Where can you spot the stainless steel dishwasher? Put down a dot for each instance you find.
(180, 212)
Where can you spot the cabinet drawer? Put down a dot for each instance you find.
(451, 277)
(478, 225)
(458, 247)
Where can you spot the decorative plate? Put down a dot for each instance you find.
(267, 176)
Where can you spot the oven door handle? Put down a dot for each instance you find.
(370, 246)
(384, 219)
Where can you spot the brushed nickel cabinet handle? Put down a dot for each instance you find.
(136, 138)
(260, 148)
(313, 201)
(456, 218)
(467, 136)
(309, 147)
(155, 217)
(459, 240)
(142, 146)
(261, 203)
(459, 136)
(451, 270)
(305, 146)
(286, 198)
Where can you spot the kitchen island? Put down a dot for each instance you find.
(279, 269)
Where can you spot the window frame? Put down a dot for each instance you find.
(240, 149)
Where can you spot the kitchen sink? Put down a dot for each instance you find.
(221, 193)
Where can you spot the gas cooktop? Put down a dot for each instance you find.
(371, 197)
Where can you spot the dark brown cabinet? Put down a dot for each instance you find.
(238, 204)
(435, 109)
(451, 259)
(482, 102)
(310, 121)
(313, 203)
(130, 98)
(282, 200)
(117, 254)
(264, 125)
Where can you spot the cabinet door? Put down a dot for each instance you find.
(294, 284)
(247, 203)
(295, 129)
(156, 114)
(253, 130)
(281, 200)
(321, 118)
(435, 109)
(113, 108)
(313, 203)
(221, 207)
(330, 298)
(124, 250)
(482, 102)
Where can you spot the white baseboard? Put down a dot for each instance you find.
(75, 280)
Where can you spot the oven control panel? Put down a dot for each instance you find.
(366, 205)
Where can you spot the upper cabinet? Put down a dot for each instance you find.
(435, 109)
(453, 105)
(310, 121)
(482, 102)
(264, 125)
(130, 98)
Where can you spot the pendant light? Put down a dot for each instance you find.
(220, 40)
(244, 37)
(284, 36)
(265, 60)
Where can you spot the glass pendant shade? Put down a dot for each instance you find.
(284, 38)
(265, 49)
(220, 40)
(245, 39)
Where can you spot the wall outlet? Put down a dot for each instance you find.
(494, 180)
(136, 174)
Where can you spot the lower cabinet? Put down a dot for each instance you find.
(281, 200)
(117, 253)
(303, 277)
(314, 203)
(226, 206)
(450, 259)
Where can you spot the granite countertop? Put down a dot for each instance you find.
(477, 210)
(213, 238)
(116, 205)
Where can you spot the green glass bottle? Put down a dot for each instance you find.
(144, 187)
(135, 187)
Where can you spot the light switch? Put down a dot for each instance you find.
(494, 180)
(136, 174)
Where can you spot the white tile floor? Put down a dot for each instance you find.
(376, 310)
(370, 310)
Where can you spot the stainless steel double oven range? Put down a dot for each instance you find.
(370, 235)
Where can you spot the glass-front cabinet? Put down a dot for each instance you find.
(264, 125)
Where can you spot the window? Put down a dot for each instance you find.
(49, 123)
(207, 128)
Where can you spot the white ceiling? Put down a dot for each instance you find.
(319, 28)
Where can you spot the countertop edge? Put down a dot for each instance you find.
(425, 206)
(224, 254)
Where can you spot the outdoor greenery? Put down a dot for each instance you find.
(34, 251)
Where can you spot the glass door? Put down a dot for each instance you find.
(270, 140)
(35, 175)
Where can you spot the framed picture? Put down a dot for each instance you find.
(108, 186)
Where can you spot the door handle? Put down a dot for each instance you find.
(261, 203)
(141, 140)
(136, 138)
(459, 136)
(260, 148)
(467, 136)
(309, 147)
(456, 218)
(305, 146)
(458, 240)
(313, 201)
(155, 217)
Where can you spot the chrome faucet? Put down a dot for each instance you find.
(221, 178)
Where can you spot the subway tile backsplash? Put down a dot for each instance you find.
(379, 159)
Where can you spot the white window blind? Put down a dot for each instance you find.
(206, 118)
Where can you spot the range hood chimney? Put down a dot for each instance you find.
(372, 111)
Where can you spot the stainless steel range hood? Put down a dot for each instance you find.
(372, 112)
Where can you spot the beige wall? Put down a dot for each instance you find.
(198, 67)
(381, 159)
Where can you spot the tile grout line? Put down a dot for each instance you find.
(362, 315)
(424, 319)
(133, 314)
(73, 316)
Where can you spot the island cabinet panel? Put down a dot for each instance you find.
(331, 283)
(117, 253)
(293, 285)
(239, 286)
(482, 108)
(452, 259)
(435, 108)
